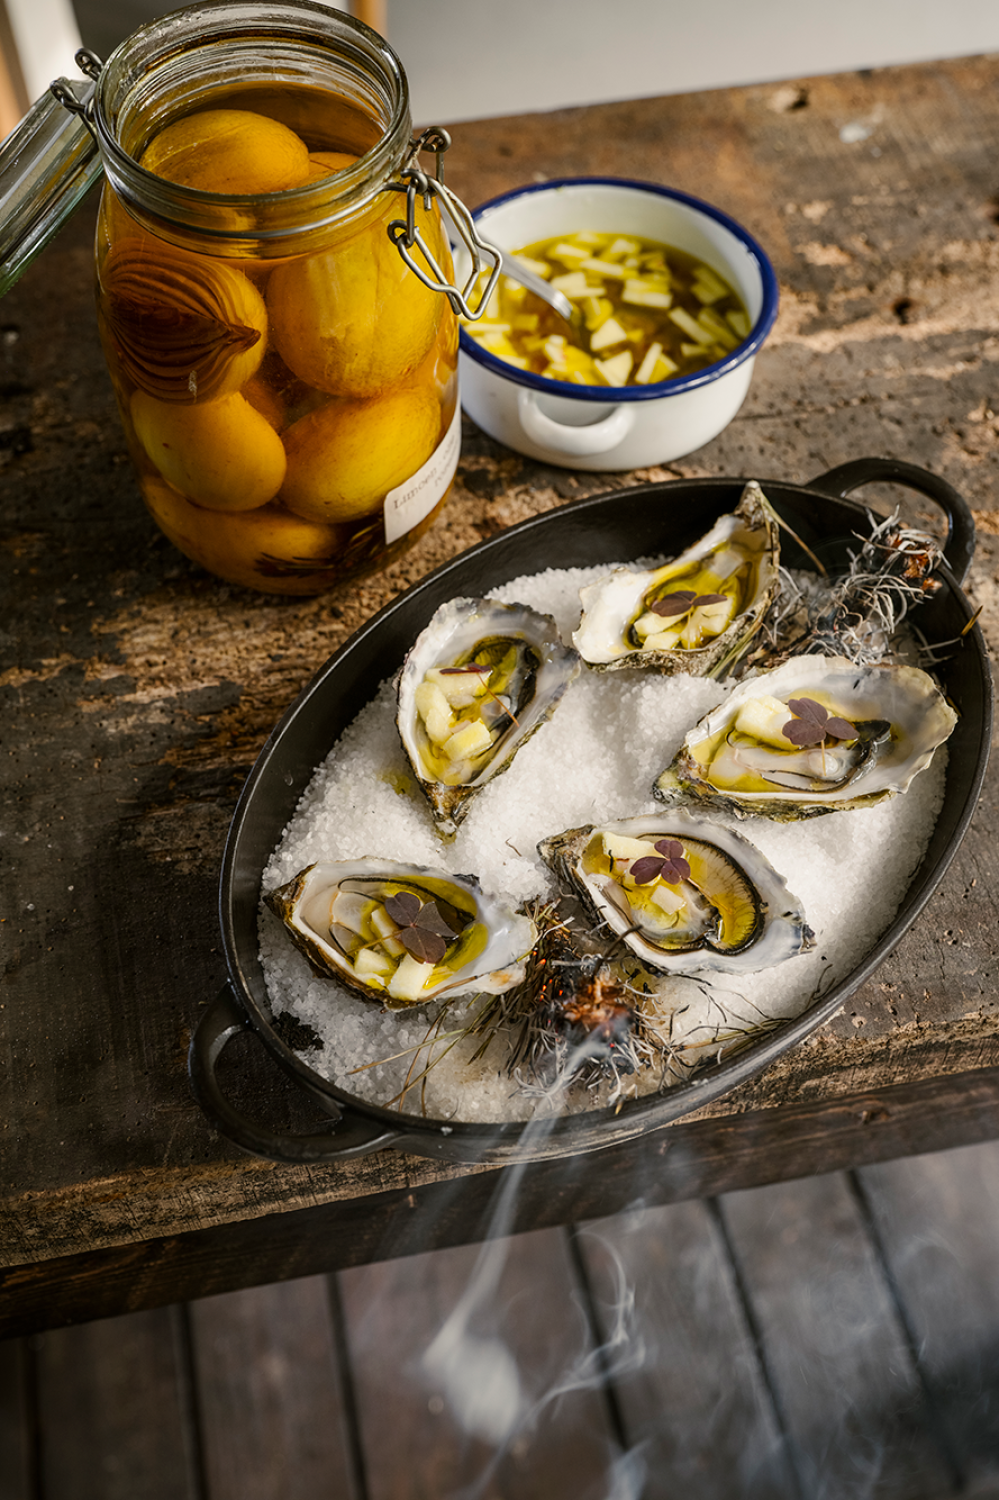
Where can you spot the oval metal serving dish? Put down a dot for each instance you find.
(629, 523)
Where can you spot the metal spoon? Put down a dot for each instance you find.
(519, 273)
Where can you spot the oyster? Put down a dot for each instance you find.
(684, 893)
(403, 934)
(480, 679)
(815, 735)
(697, 613)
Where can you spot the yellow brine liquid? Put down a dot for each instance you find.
(647, 312)
(273, 406)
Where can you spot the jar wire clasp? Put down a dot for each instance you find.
(406, 235)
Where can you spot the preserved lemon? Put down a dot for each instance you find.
(229, 151)
(325, 163)
(344, 458)
(265, 548)
(356, 320)
(222, 454)
(184, 329)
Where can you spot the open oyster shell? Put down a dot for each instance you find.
(884, 723)
(714, 903)
(445, 936)
(697, 613)
(479, 680)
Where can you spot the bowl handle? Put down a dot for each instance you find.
(572, 442)
(222, 1021)
(959, 548)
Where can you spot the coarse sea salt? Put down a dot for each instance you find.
(594, 761)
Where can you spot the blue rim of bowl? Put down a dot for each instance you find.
(746, 350)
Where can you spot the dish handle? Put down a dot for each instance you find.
(959, 548)
(349, 1135)
(566, 440)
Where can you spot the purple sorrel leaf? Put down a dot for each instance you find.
(813, 724)
(403, 907)
(422, 930)
(428, 947)
(667, 864)
(676, 603)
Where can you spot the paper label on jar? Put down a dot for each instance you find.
(407, 504)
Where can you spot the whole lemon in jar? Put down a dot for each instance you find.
(229, 151)
(221, 454)
(265, 548)
(345, 457)
(355, 320)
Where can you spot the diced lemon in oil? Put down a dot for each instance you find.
(625, 288)
(615, 371)
(608, 334)
(574, 285)
(459, 689)
(683, 319)
(609, 268)
(707, 286)
(569, 254)
(410, 979)
(668, 898)
(387, 930)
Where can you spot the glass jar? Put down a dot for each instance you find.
(283, 359)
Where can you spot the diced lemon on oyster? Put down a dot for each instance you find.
(695, 614)
(481, 678)
(816, 734)
(403, 934)
(684, 893)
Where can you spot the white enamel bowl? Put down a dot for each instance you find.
(617, 427)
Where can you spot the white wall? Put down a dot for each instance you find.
(467, 59)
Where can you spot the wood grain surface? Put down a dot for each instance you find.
(136, 690)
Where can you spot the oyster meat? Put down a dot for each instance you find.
(479, 680)
(696, 614)
(684, 893)
(815, 735)
(404, 934)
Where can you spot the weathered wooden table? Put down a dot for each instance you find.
(136, 692)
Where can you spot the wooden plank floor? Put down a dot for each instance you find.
(832, 1337)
